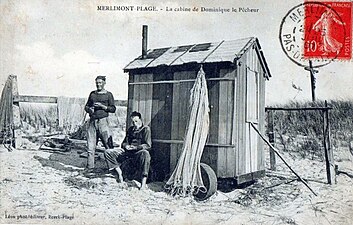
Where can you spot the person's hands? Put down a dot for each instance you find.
(120, 151)
(90, 110)
(130, 147)
(99, 105)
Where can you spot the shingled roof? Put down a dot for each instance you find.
(223, 51)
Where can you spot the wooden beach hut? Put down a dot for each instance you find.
(160, 81)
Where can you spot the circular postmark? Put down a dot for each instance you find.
(312, 31)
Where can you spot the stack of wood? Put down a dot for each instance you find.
(186, 179)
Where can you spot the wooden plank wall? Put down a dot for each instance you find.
(248, 114)
(154, 102)
(240, 117)
(210, 154)
(221, 101)
(175, 126)
(252, 110)
(226, 156)
(161, 125)
(260, 145)
(140, 97)
(181, 94)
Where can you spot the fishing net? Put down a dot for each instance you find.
(70, 113)
(6, 113)
(186, 179)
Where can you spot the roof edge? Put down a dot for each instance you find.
(262, 58)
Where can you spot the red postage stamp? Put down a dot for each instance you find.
(328, 30)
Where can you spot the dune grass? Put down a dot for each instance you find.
(42, 118)
(302, 131)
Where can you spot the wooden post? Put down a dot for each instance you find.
(310, 68)
(312, 79)
(57, 122)
(16, 114)
(271, 137)
(330, 166)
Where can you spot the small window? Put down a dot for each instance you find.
(156, 53)
(201, 47)
(182, 48)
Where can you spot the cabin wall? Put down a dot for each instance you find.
(250, 109)
(140, 97)
(161, 124)
(154, 102)
(179, 115)
(261, 144)
(221, 100)
(240, 152)
(225, 127)
(210, 154)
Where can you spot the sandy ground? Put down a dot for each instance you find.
(40, 187)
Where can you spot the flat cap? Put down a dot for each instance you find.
(100, 77)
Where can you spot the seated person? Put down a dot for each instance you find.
(135, 146)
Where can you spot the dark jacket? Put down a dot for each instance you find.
(138, 137)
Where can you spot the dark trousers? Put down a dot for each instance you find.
(140, 160)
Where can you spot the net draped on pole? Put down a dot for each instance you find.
(6, 111)
(186, 178)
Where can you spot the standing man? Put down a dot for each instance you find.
(100, 103)
(135, 146)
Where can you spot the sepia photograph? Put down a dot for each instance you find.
(176, 113)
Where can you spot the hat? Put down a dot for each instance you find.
(100, 77)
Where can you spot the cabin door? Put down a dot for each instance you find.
(252, 116)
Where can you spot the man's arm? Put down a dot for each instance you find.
(89, 105)
(126, 140)
(111, 106)
(146, 142)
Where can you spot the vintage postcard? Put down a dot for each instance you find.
(176, 112)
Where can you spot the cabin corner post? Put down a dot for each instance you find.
(271, 137)
(16, 114)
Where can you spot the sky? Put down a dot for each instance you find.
(57, 48)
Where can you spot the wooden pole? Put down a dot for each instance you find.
(279, 155)
(297, 109)
(330, 150)
(312, 79)
(312, 71)
(51, 99)
(330, 167)
(271, 138)
(180, 81)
